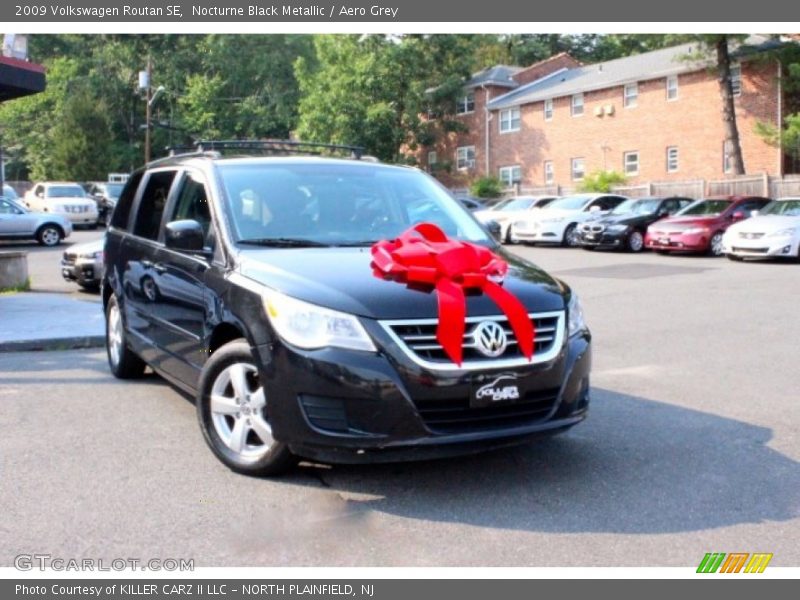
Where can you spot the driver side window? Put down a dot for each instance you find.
(6, 208)
(192, 204)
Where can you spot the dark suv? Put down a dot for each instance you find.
(249, 282)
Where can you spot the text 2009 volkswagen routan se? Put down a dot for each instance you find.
(264, 285)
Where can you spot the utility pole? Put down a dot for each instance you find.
(148, 111)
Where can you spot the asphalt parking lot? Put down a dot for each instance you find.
(692, 446)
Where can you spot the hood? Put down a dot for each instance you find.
(88, 247)
(686, 222)
(626, 219)
(342, 279)
(766, 224)
(501, 216)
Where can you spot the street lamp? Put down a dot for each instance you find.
(150, 98)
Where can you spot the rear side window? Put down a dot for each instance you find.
(151, 206)
(119, 218)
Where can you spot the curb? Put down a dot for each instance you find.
(67, 343)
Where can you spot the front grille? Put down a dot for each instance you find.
(417, 339)
(750, 236)
(448, 416)
(750, 250)
(593, 228)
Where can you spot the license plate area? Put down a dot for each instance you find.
(495, 390)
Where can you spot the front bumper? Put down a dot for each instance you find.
(83, 218)
(538, 233)
(678, 242)
(87, 272)
(335, 405)
(764, 247)
(605, 239)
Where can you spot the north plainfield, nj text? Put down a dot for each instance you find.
(173, 11)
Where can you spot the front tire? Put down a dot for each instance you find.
(635, 241)
(122, 361)
(571, 236)
(233, 414)
(715, 244)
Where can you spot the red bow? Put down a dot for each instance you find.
(424, 254)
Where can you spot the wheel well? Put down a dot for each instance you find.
(56, 225)
(222, 334)
(107, 291)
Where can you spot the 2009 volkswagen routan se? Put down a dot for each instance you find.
(249, 282)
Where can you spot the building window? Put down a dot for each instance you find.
(672, 87)
(576, 108)
(465, 157)
(466, 104)
(727, 156)
(509, 120)
(672, 159)
(510, 175)
(630, 95)
(432, 158)
(736, 79)
(548, 110)
(578, 169)
(631, 163)
(549, 174)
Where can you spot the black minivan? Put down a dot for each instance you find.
(247, 279)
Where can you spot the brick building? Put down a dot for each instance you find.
(654, 117)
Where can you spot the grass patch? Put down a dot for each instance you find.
(15, 289)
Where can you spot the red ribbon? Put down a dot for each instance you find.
(423, 254)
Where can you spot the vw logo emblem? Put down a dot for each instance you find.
(490, 338)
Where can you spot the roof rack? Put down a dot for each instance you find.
(270, 147)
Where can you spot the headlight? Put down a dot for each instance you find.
(309, 326)
(784, 232)
(98, 254)
(575, 320)
(695, 230)
(552, 220)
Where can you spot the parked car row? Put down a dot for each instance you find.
(737, 226)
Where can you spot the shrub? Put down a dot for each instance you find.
(486, 187)
(601, 181)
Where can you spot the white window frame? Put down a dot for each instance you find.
(672, 88)
(433, 158)
(507, 174)
(630, 99)
(465, 163)
(673, 159)
(464, 102)
(625, 157)
(549, 172)
(548, 109)
(573, 164)
(575, 106)
(736, 79)
(507, 120)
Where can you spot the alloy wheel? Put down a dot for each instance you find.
(50, 236)
(238, 411)
(114, 334)
(635, 241)
(716, 244)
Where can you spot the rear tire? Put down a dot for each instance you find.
(49, 235)
(232, 409)
(122, 361)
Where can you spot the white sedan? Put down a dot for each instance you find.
(65, 199)
(774, 231)
(558, 222)
(510, 210)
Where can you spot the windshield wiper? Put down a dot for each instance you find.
(284, 242)
(354, 244)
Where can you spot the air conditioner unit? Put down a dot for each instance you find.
(598, 111)
(609, 109)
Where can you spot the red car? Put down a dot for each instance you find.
(699, 226)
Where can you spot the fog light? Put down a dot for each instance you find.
(786, 249)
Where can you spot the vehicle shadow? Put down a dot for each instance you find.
(636, 466)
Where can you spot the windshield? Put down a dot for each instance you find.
(337, 204)
(65, 191)
(784, 208)
(570, 203)
(708, 208)
(502, 204)
(517, 204)
(637, 207)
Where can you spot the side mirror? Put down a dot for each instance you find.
(664, 212)
(186, 235)
(594, 208)
(738, 215)
(755, 213)
(495, 229)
